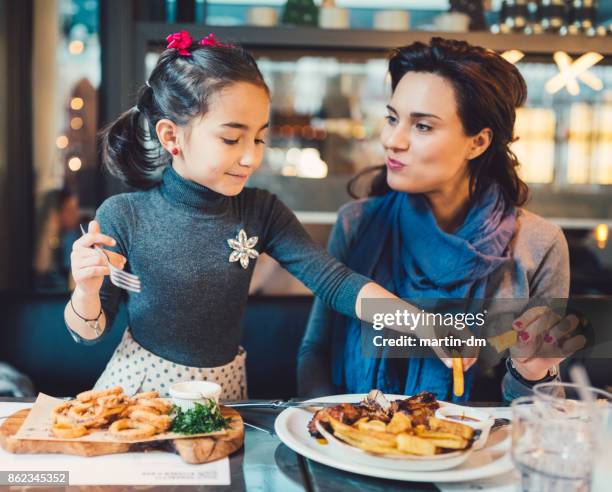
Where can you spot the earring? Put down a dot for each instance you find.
(175, 151)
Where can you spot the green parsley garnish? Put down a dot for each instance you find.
(199, 420)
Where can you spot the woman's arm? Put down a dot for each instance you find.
(550, 281)
(314, 357)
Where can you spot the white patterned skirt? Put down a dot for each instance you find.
(136, 369)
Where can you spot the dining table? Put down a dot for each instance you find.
(266, 464)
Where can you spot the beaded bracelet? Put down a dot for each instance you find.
(550, 376)
(94, 323)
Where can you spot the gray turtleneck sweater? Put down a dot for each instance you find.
(175, 237)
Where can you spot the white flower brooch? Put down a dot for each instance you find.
(243, 248)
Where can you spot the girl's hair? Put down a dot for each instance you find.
(487, 89)
(179, 89)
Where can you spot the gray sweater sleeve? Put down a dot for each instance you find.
(113, 216)
(550, 281)
(289, 243)
(314, 357)
(552, 277)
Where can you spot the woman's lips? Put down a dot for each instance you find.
(238, 176)
(394, 165)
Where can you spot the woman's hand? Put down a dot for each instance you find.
(372, 290)
(544, 339)
(88, 265)
(468, 355)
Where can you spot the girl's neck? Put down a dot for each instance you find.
(180, 169)
(450, 205)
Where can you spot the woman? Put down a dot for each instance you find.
(443, 220)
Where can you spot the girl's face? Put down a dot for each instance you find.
(221, 149)
(426, 148)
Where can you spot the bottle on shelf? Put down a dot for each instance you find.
(513, 16)
(301, 13)
(582, 16)
(552, 16)
(533, 23)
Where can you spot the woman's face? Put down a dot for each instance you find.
(426, 148)
(221, 149)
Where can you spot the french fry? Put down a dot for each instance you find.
(448, 443)
(372, 425)
(429, 434)
(400, 422)
(415, 445)
(504, 341)
(458, 376)
(443, 439)
(462, 430)
(368, 446)
(372, 437)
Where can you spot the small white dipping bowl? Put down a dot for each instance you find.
(475, 418)
(187, 393)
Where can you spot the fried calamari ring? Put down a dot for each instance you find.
(160, 422)
(159, 404)
(95, 394)
(96, 423)
(131, 429)
(62, 408)
(107, 412)
(60, 413)
(147, 395)
(112, 400)
(68, 431)
(81, 411)
(143, 408)
(81, 414)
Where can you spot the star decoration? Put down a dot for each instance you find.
(243, 247)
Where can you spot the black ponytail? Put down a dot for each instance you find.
(179, 89)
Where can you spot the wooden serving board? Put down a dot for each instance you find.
(195, 450)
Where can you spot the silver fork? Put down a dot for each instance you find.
(118, 277)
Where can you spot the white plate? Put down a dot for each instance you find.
(291, 428)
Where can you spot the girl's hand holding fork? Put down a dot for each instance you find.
(88, 266)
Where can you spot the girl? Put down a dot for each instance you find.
(194, 231)
(444, 220)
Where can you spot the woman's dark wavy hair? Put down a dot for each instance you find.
(488, 89)
(179, 89)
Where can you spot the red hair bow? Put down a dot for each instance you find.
(211, 40)
(180, 41)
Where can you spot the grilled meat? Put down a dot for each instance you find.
(345, 413)
(420, 407)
